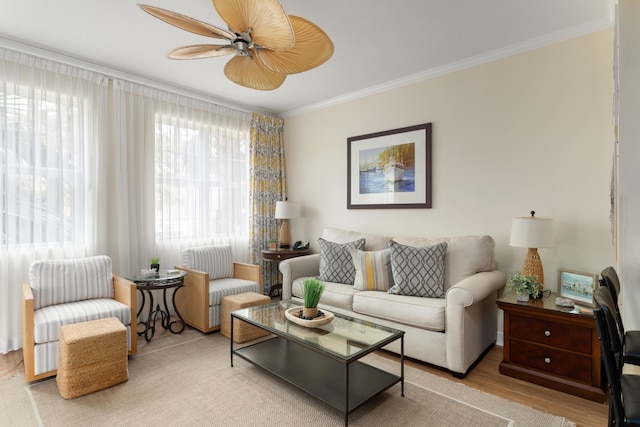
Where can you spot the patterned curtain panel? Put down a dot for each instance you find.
(267, 186)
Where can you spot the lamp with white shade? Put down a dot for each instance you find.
(285, 210)
(532, 232)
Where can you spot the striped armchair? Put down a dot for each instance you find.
(211, 275)
(62, 292)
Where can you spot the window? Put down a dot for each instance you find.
(201, 179)
(43, 183)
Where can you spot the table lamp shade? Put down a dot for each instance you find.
(532, 233)
(284, 211)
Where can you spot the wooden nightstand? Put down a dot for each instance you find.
(280, 255)
(552, 346)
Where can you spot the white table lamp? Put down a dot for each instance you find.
(532, 232)
(285, 210)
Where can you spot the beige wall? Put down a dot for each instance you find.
(532, 131)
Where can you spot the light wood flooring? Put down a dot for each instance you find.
(484, 376)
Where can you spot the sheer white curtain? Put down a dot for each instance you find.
(183, 177)
(51, 127)
(95, 165)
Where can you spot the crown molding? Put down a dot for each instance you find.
(514, 49)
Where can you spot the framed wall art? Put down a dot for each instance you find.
(390, 169)
(577, 286)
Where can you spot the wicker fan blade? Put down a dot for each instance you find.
(199, 51)
(187, 23)
(248, 72)
(313, 47)
(269, 23)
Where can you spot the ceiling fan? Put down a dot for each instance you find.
(268, 44)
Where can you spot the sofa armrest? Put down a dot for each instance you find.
(193, 299)
(476, 288)
(247, 271)
(471, 318)
(294, 268)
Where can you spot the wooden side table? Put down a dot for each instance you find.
(553, 346)
(280, 255)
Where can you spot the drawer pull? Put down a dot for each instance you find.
(547, 360)
(547, 333)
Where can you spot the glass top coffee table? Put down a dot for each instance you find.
(322, 361)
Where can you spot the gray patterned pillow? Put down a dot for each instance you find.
(418, 271)
(336, 263)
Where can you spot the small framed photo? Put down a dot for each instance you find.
(577, 286)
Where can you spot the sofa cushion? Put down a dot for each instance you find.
(372, 242)
(373, 270)
(217, 260)
(59, 281)
(425, 313)
(466, 255)
(335, 294)
(418, 271)
(336, 264)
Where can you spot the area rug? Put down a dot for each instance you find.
(187, 380)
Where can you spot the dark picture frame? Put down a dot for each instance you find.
(577, 286)
(390, 169)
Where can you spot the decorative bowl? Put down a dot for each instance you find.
(292, 314)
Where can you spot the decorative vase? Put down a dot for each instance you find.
(273, 246)
(310, 313)
(155, 267)
(523, 296)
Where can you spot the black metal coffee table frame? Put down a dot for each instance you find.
(343, 382)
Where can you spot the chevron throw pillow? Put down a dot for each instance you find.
(418, 271)
(336, 264)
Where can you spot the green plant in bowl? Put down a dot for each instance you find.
(312, 290)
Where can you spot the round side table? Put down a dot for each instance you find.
(163, 280)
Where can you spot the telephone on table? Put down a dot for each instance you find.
(299, 245)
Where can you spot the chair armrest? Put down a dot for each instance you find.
(28, 339)
(193, 300)
(242, 270)
(125, 292)
(294, 268)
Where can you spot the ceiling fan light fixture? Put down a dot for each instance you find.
(247, 72)
(268, 44)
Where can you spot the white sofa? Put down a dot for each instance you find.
(452, 331)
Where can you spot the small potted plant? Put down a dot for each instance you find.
(155, 264)
(273, 244)
(312, 290)
(525, 286)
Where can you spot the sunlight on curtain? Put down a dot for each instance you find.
(185, 176)
(268, 185)
(50, 122)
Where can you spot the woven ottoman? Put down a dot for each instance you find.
(92, 356)
(242, 331)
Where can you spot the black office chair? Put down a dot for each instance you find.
(624, 402)
(630, 339)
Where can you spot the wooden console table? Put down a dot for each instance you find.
(280, 255)
(553, 346)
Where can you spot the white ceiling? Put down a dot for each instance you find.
(378, 43)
